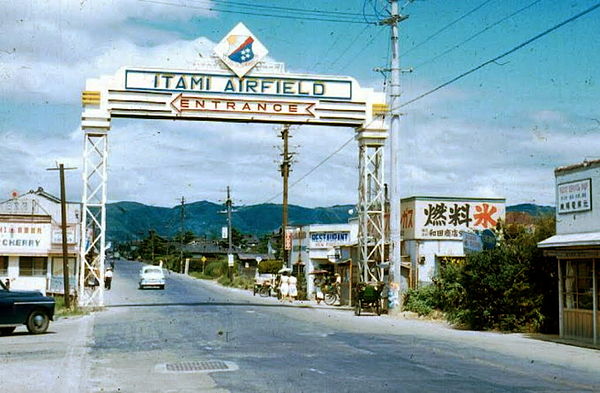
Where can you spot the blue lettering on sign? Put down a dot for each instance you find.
(274, 86)
(330, 237)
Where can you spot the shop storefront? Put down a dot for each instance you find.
(432, 230)
(319, 247)
(31, 242)
(576, 247)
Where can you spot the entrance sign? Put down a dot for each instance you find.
(234, 86)
(222, 96)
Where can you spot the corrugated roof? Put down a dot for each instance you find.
(571, 240)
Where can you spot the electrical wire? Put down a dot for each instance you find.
(296, 10)
(323, 161)
(514, 49)
(446, 27)
(476, 34)
(281, 16)
(508, 52)
(352, 42)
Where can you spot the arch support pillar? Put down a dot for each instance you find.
(93, 219)
(371, 203)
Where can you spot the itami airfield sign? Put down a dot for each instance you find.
(240, 92)
(236, 85)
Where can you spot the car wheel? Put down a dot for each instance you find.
(5, 331)
(162, 287)
(38, 322)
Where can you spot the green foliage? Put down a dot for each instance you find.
(509, 288)
(422, 300)
(217, 268)
(271, 266)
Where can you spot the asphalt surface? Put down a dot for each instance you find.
(270, 346)
(152, 340)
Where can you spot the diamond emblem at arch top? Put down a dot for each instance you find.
(240, 50)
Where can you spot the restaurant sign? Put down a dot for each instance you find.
(24, 237)
(328, 239)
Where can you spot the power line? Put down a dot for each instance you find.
(314, 168)
(296, 10)
(352, 42)
(477, 34)
(516, 48)
(282, 16)
(446, 27)
(375, 35)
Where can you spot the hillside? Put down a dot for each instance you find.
(132, 220)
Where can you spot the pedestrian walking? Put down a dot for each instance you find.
(108, 278)
(284, 286)
(293, 289)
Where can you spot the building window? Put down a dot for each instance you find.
(3, 265)
(578, 288)
(33, 266)
(57, 266)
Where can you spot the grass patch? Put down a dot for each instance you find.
(61, 311)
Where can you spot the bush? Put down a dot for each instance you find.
(421, 300)
(271, 266)
(509, 288)
(215, 269)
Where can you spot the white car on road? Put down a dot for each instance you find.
(152, 276)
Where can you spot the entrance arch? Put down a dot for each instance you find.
(232, 86)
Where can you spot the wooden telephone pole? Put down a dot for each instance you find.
(63, 218)
(284, 168)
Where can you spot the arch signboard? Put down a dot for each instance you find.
(235, 85)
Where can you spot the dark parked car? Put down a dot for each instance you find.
(29, 308)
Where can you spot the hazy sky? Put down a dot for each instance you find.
(499, 132)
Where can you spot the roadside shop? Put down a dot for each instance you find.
(31, 242)
(576, 247)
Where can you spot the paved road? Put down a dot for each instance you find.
(143, 338)
(272, 347)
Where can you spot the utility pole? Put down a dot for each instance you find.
(63, 218)
(284, 168)
(182, 218)
(228, 203)
(395, 275)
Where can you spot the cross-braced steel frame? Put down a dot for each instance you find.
(93, 234)
(371, 204)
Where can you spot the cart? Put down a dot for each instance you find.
(368, 295)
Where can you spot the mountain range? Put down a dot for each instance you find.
(132, 220)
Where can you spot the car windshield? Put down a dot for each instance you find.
(153, 270)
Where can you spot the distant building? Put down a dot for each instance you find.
(31, 241)
(576, 246)
(432, 230)
(317, 247)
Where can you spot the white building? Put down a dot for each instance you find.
(576, 246)
(315, 247)
(31, 241)
(432, 230)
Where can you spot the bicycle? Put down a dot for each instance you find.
(331, 295)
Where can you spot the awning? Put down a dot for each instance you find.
(572, 240)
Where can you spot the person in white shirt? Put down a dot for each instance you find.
(108, 278)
